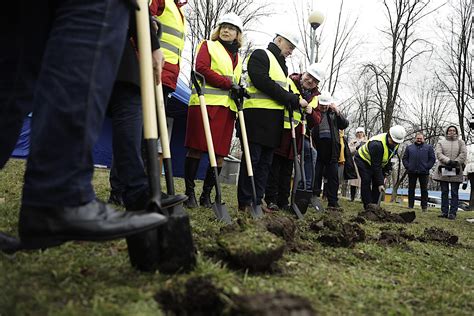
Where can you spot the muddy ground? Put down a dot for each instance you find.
(376, 213)
(334, 231)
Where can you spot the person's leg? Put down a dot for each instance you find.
(116, 186)
(271, 189)
(332, 170)
(244, 187)
(79, 66)
(424, 191)
(411, 189)
(471, 196)
(209, 183)
(262, 170)
(191, 166)
(444, 198)
(453, 209)
(285, 183)
(308, 164)
(318, 174)
(365, 181)
(353, 192)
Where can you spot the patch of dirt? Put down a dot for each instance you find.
(272, 304)
(377, 214)
(280, 225)
(438, 235)
(363, 255)
(333, 209)
(253, 248)
(337, 233)
(390, 237)
(200, 296)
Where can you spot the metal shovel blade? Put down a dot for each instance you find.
(221, 212)
(256, 211)
(316, 202)
(302, 199)
(294, 208)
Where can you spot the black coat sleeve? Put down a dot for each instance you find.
(258, 71)
(376, 156)
(342, 122)
(155, 42)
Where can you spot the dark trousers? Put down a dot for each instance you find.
(330, 171)
(369, 192)
(449, 206)
(78, 67)
(127, 172)
(423, 178)
(261, 157)
(470, 176)
(310, 157)
(279, 181)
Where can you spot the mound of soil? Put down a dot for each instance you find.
(280, 225)
(390, 237)
(200, 296)
(375, 213)
(272, 304)
(337, 233)
(438, 235)
(254, 249)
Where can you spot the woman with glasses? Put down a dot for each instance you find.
(218, 61)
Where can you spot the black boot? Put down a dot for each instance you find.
(209, 183)
(353, 192)
(191, 166)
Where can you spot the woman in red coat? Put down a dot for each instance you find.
(218, 61)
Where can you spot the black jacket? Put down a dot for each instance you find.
(265, 126)
(419, 159)
(330, 153)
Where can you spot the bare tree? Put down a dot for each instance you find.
(456, 74)
(404, 48)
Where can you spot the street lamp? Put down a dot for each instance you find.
(315, 19)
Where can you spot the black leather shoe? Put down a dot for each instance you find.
(205, 200)
(172, 200)
(191, 202)
(43, 227)
(8, 244)
(115, 199)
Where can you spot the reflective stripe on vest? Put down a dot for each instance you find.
(296, 114)
(173, 25)
(387, 155)
(221, 63)
(260, 100)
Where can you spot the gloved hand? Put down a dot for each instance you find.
(381, 188)
(235, 91)
(309, 110)
(464, 185)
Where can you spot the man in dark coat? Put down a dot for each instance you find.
(327, 142)
(418, 159)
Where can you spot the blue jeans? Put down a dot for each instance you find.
(261, 157)
(448, 206)
(310, 156)
(125, 109)
(80, 59)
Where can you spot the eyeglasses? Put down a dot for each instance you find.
(229, 27)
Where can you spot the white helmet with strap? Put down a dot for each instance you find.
(398, 133)
(291, 37)
(317, 71)
(232, 18)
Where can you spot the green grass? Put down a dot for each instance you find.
(96, 278)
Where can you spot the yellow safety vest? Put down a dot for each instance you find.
(221, 63)
(387, 154)
(260, 100)
(173, 26)
(296, 114)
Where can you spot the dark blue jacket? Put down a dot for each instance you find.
(419, 159)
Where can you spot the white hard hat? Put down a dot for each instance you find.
(291, 37)
(317, 71)
(325, 98)
(398, 133)
(231, 18)
(360, 129)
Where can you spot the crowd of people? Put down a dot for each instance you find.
(81, 64)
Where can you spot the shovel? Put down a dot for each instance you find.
(315, 201)
(220, 210)
(256, 210)
(303, 196)
(293, 206)
(176, 246)
(143, 248)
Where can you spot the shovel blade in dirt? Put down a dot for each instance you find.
(294, 208)
(302, 199)
(316, 202)
(176, 246)
(221, 212)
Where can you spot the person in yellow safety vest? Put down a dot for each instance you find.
(219, 62)
(172, 27)
(277, 190)
(268, 86)
(373, 162)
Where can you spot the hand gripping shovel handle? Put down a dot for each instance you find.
(219, 209)
(256, 208)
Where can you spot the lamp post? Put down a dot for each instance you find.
(315, 19)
